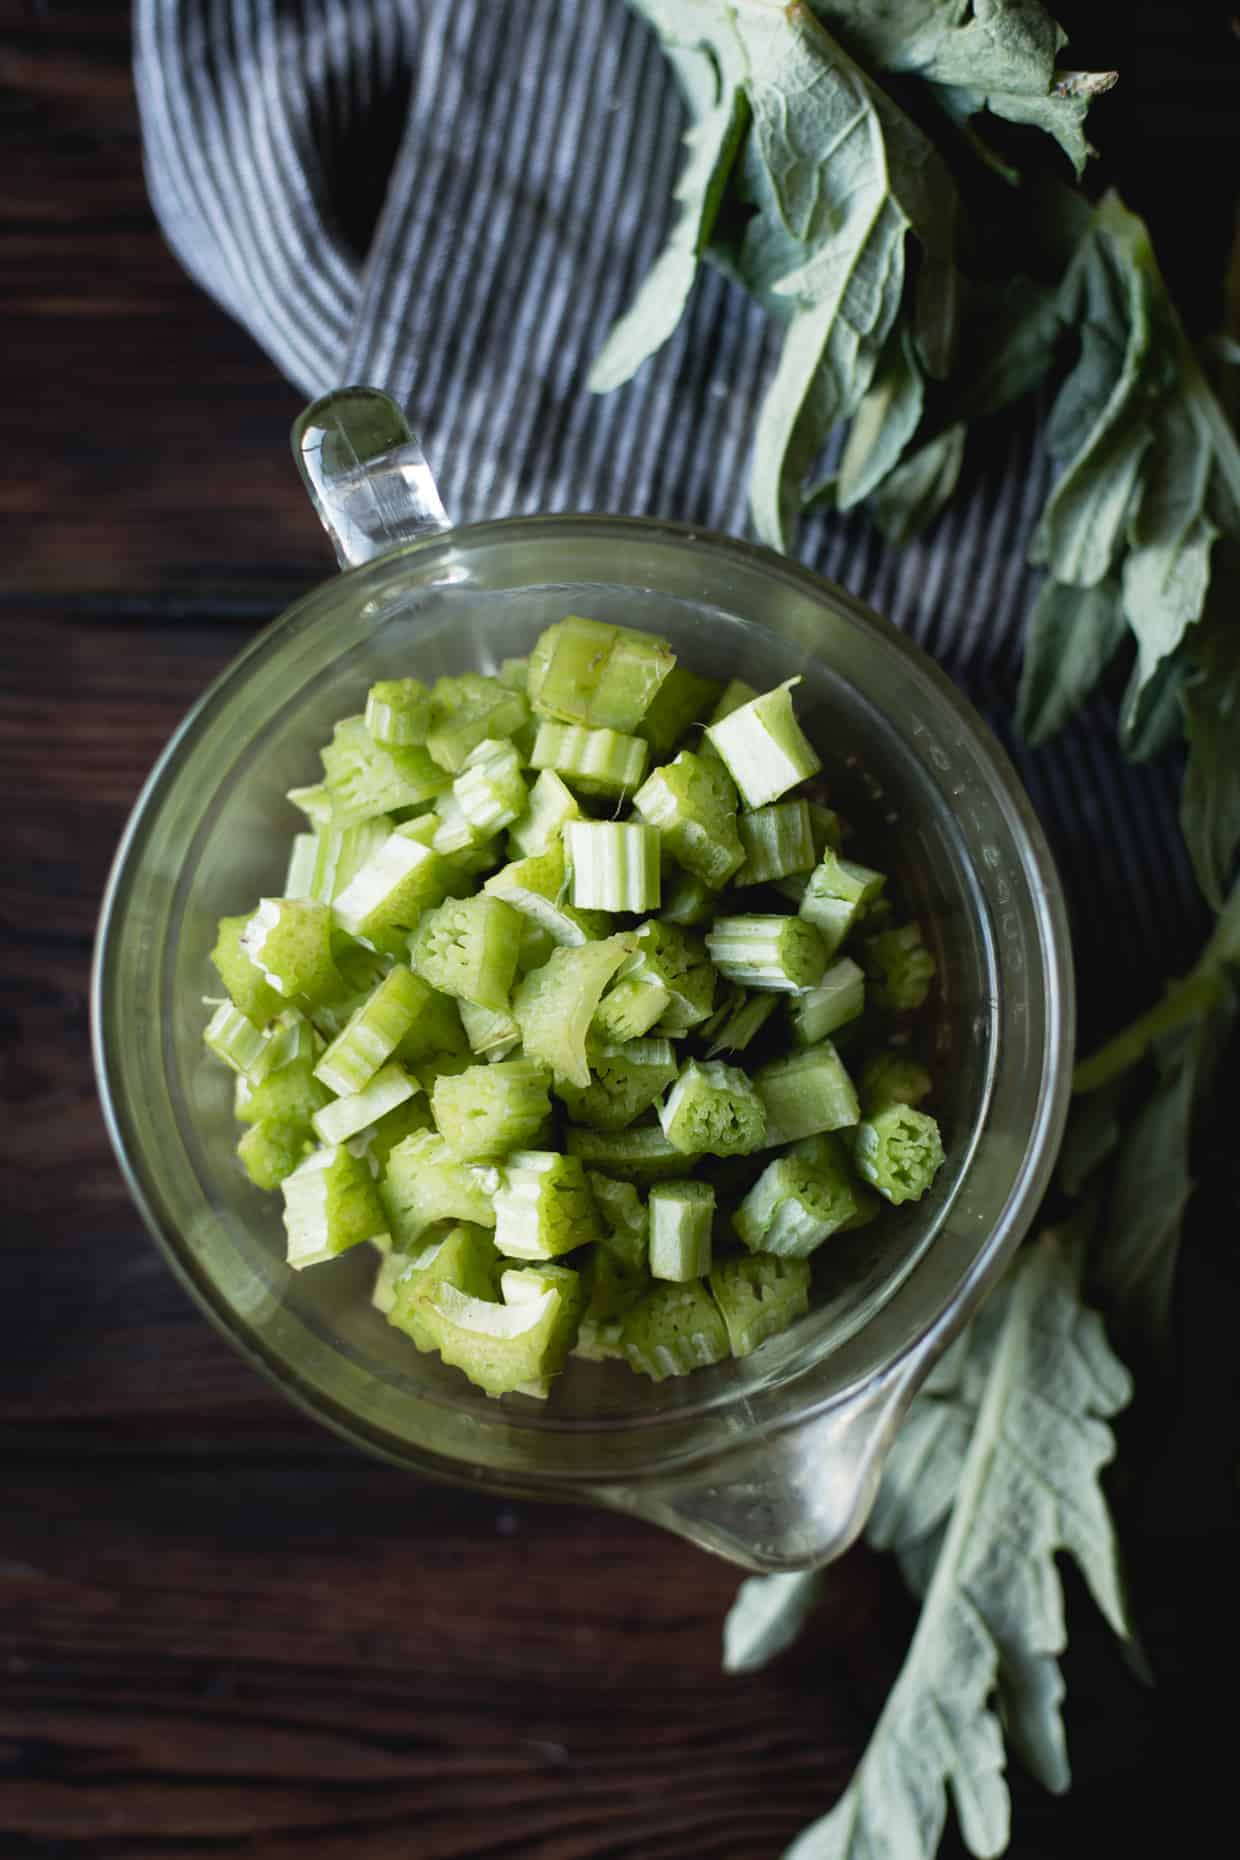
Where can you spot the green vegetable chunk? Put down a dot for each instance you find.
(490, 1035)
(692, 803)
(364, 778)
(555, 1005)
(468, 948)
(387, 896)
(373, 1031)
(490, 790)
(682, 1218)
(270, 1151)
(900, 969)
(759, 1297)
(899, 1152)
(463, 1257)
(742, 1023)
(838, 999)
(806, 1093)
(615, 865)
(629, 1009)
(604, 762)
(642, 1153)
(468, 710)
(627, 1078)
(775, 952)
(838, 896)
(586, 672)
(777, 839)
(490, 1110)
(289, 941)
(538, 887)
(250, 991)
(345, 1117)
(764, 747)
(686, 899)
(798, 1201)
(674, 1329)
(501, 1348)
(675, 958)
(238, 1042)
(330, 1205)
(625, 1218)
(543, 1206)
(682, 700)
(713, 1109)
(424, 1182)
(549, 806)
(398, 713)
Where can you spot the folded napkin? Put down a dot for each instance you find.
(523, 157)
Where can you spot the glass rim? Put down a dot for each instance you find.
(1011, 1220)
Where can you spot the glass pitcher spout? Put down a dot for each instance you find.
(366, 474)
(794, 1500)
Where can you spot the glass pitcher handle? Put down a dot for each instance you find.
(366, 474)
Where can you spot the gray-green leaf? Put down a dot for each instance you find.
(915, 491)
(1027, 1487)
(1072, 636)
(883, 424)
(767, 1616)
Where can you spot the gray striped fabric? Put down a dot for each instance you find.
(529, 190)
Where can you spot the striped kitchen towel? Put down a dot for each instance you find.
(453, 200)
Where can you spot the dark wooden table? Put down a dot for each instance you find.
(220, 1631)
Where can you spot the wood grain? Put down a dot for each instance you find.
(221, 1631)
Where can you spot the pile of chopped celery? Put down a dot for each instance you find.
(547, 1013)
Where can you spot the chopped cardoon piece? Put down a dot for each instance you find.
(713, 1109)
(299, 878)
(806, 1093)
(798, 1201)
(429, 1071)
(248, 988)
(612, 1286)
(377, 1142)
(899, 1152)
(502, 1348)
(383, 901)
(436, 1029)
(398, 713)
(595, 761)
(615, 865)
(538, 887)
(330, 1204)
(383, 1291)
(777, 839)
(315, 803)
(628, 1077)
(686, 899)
(673, 1330)
(513, 673)
(549, 805)
(364, 778)
(891, 1079)
(764, 747)
(643, 1153)
(454, 833)
(682, 700)
(555, 1005)
(490, 1035)
(289, 940)
(767, 952)
(838, 896)
(625, 1218)
(629, 1009)
(743, 1023)
(900, 968)
(468, 710)
(492, 1109)
(584, 671)
(677, 959)
(373, 1031)
(682, 1218)
(536, 945)
(735, 693)
(543, 1206)
(339, 852)
(238, 1042)
(344, 1117)
(826, 828)
(270, 1151)
(468, 948)
(425, 1183)
(838, 998)
(490, 789)
(290, 1093)
(692, 803)
(758, 1297)
(463, 1257)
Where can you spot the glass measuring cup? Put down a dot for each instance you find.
(772, 1461)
